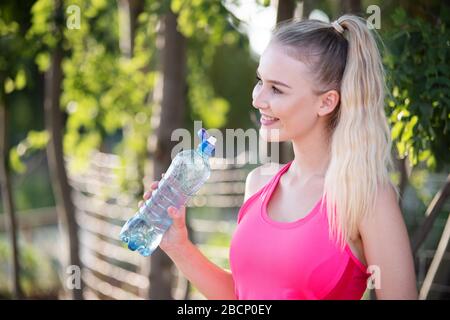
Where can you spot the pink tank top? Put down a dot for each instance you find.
(273, 260)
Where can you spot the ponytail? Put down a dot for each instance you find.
(361, 140)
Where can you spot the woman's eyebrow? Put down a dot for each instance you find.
(274, 81)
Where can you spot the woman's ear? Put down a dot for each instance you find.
(329, 101)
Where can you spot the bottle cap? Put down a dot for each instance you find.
(207, 142)
(212, 140)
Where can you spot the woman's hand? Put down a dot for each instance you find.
(177, 235)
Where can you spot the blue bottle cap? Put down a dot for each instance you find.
(207, 142)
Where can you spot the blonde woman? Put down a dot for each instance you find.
(319, 226)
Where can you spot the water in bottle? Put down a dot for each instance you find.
(188, 171)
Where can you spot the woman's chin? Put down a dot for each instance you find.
(270, 134)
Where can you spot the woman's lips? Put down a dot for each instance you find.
(267, 121)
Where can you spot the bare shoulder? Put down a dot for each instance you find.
(386, 211)
(259, 176)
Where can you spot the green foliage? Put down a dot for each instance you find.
(43, 33)
(104, 92)
(419, 102)
(264, 3)
(13, 48)
(232, 75)
(206, 25)
(19, 83)
(37, 277)
(16, 54)
(219, 239)
(108, 97)
(33, 142)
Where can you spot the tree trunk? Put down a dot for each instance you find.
(404, 177)
(285, 11)
(351, 6)
(129, 10)
(307, 7)
(61, 189)
(8, 205)
(171, 118)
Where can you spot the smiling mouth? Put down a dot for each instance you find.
(266, 120)
(265, 117)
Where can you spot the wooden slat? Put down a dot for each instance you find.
(100, 174)
(106, 160)
(436, 262)
(96, 226)
(431, 215)
(89, 294)
(216, 251)
(228, 175)
(109, 250)
(134, 279)
(101, 207)
(93, 186)
(222, 188)
(216, 201)
(100, 159)
(211, 226)
(29, 219)
(105, 289)
(181, 285)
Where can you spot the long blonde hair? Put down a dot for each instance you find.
(360, 139)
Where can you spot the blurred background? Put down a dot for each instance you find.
(91, 91)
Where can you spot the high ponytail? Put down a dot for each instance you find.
(347, 59)
(361, 141)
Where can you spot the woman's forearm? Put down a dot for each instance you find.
(212, 281)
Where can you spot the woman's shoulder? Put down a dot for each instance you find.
(260, 176)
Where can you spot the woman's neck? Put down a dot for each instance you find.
(312, 157)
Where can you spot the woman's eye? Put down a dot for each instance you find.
(276, 90)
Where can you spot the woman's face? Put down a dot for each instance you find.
(284, 96)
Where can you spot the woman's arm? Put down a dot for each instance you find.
(387, 248)
(211, 280)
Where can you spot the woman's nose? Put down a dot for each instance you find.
(259, 101)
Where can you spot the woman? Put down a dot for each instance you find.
(319, 226)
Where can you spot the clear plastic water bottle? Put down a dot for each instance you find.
(188, 171)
